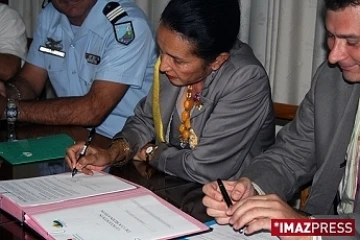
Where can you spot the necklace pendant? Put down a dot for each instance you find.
(193, 139)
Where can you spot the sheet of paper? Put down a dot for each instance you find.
(60, 187)
(142, 217)
(226, 232)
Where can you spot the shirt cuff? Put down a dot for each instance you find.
(258, 189)
(261, 192)
(316, 238)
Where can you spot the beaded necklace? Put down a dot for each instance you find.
(185, 126)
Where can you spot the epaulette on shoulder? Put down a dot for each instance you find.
(113, 11)
(45, 3)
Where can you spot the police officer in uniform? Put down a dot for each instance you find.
(99, 57)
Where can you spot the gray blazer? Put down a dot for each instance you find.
(235, 123)
(312, 147)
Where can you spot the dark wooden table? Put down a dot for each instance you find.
(182, 194)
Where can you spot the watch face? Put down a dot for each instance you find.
(11, 112)
(149, 149)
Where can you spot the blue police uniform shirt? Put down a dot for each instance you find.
(92, 52)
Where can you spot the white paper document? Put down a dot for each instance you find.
(60, 187)
(226, 232)
(134, 218)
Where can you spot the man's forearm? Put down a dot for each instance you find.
(60, 111)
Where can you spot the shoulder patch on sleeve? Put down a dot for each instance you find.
(124, 32)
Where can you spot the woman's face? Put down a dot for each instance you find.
(178, 62)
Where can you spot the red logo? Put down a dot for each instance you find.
(313, 227)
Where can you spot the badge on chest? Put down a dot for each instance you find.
(92, 58)
(53, 47)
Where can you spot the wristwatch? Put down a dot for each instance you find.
(149, 150)
(11, 111)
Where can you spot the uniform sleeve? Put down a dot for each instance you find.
(12, 33)
(127, 64)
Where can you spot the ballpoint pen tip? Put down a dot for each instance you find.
(74, 171)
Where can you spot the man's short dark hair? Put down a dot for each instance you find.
(336, 5)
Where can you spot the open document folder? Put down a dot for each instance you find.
(93, 207)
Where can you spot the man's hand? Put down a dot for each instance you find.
(213, 200)
(254, 213)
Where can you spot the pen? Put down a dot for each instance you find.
(226, 197)
(224, 193)
(83, 150)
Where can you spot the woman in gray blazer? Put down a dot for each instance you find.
(209, 113)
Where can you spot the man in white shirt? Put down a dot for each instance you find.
(13, 42)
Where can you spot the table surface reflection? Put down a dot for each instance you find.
(182, 194)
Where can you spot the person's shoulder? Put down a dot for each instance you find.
(243, 67)
(242, 58)
(118, 11)
(49, 10)
(242, 55)
(131, 8)
(127, 19)
(8, 12)
(4, 7)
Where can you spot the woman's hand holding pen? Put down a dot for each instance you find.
(96, 159)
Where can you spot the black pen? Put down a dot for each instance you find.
(226, 197)
(83, 150)
(224, 192)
